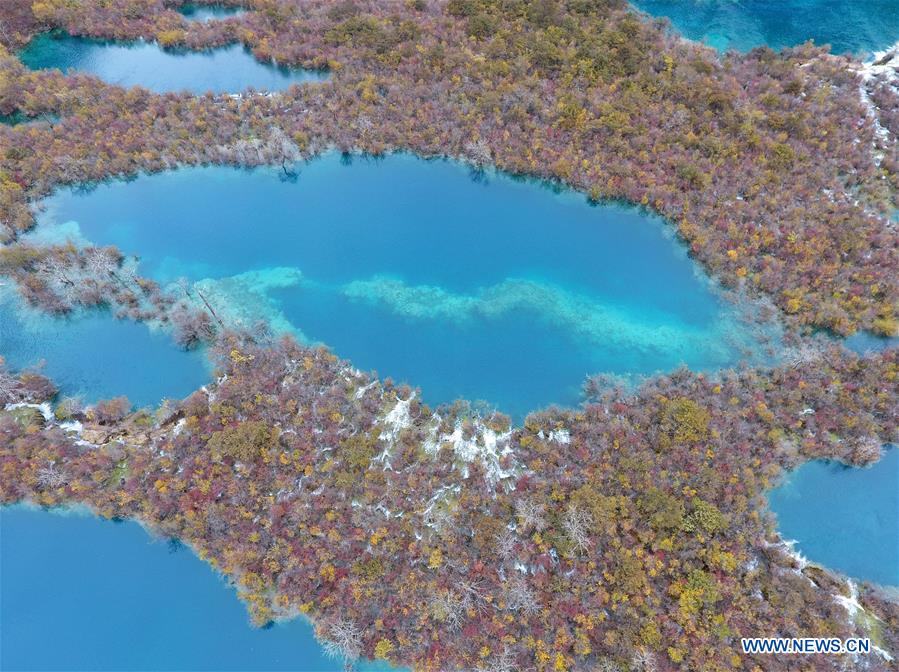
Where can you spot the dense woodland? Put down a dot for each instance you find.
(628, 534)
(774, 167)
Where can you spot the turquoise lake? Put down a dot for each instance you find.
(97, 357)
(485, 288)
(847, 25)
(109, 597)
(226, 70)
(843, 517)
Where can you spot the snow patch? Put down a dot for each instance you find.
(44, 408)
(882, 63)
(484, 446)
(562, 436)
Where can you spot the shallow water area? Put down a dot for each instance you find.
(846, 25)
(95, 356)
(204, 13)
(80, 593)
(225, 70)
(864, 342)
(466, 285)
(845, 518)
(18, 118)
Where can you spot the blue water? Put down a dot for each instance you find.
(843, 517)
(14, 119)
(80, 593)
(847, 25)
(488, 288)
(863, 342)
(204, 13)
(96, 356)
(224, 70)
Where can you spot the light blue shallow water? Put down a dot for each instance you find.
(96, 356)
(80, 593)
(847, 25)
(224, 70)
(494, 289)
(843, 517)
(864, 342)
(203, 13)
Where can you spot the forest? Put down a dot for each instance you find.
(630, 533)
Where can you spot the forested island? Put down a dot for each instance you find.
(630, 533)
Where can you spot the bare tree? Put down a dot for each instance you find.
(448, 608)
(802, 355)
(506, 542)
(342, 640)
(69, 407)
(530, 514)
(504, 662)
(282, 149)
(867, 450)
(10, 388)
(478, 153)
(577, 524)
(473, 595)
(606, 664)
(58, 276)
(643, 661)
(99, 262)
(51, 477)
(520, 597)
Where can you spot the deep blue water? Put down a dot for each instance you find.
(490, 289)
(96, 356)
(226, 70)
(81, 593)
(847, 25)
(843, 517)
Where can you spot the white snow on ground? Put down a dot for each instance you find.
(44, 408)
(484, 446)
(393, 423)
(562, 436)
(73, 426)
(853, 607)
(397, 419)
(884, 62)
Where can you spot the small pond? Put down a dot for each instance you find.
(484, 288)
(95, 356)
(225, 70)
(17, 118)
(845, 518)
(863, 342)
(846, 25)
(204, 13)
(80, 593)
